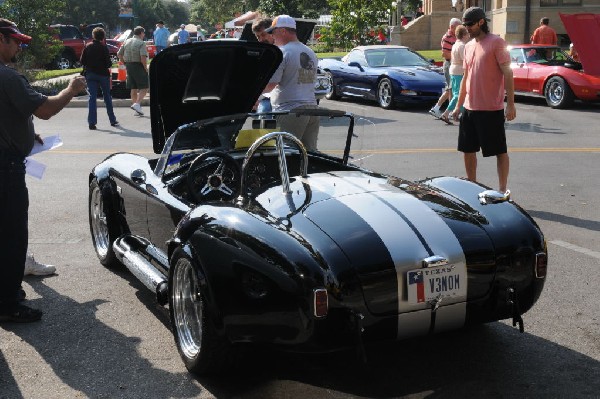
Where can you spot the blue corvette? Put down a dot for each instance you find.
(390, 75)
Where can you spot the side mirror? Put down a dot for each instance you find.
(355, 64)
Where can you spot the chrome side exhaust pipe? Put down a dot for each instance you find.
(141, 268)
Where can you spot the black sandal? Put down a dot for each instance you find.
(21, 314)
(21, 295)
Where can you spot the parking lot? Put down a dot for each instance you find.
(103, 336)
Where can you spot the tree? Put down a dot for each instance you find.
(294, 8)
(79, 12)
(208, 13)
(33, 18)
(356, 22)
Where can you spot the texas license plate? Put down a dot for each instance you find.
(429, 283)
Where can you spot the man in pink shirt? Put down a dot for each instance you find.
(486, 75)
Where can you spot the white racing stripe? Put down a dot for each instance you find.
(386, 210)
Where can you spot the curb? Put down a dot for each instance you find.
(82, 102)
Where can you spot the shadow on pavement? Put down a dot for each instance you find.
(568, 220)
(91, 357)
(492, 361)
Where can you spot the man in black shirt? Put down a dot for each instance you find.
(18, 102)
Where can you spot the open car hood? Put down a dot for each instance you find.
(195, 81)
(584, 32)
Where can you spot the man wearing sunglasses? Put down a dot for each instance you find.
(487, 73)
(18, 102)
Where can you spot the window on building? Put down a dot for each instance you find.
(559, 3)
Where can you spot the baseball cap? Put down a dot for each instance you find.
(282, 21)
(474, 14)
(182, 26)
(161, 22)
(13, 32)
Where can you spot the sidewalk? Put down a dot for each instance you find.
(82, 101)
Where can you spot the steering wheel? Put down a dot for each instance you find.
(278, 137)
(207, 179)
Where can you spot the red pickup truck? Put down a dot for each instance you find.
(74, 42)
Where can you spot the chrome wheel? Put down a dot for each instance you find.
(63, 63)
(187, 309)
(98, 223)
(558, 93)
(333, 93)
(385, 95)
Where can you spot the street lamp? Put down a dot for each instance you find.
(394, 14)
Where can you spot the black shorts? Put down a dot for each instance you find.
(482, 130)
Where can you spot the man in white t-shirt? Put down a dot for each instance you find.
(292, 87)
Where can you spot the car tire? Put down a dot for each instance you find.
(202, 350)
(385, 94)
(64, 61)
(103, 225)
(333, 94)
(558, 93)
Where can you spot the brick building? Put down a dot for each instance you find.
(513, 20)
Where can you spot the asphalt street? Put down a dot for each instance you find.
(103, 336)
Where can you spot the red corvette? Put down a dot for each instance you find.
(548, 71)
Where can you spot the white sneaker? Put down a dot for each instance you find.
(436, 113)
(137, 108)
(35, 268)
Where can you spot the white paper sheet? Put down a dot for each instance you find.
(50, 143)
(34, 168)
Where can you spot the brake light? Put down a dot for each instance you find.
(321, 302)
(541, 264)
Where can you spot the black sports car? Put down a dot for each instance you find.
(250, 239)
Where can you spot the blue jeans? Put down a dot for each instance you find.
(14, 208)
(93, 81)
(264, 105)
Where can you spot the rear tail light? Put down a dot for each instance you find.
(321, 302)
(541, 264)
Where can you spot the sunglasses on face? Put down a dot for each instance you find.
(469, 23)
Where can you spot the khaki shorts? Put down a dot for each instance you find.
(305, 128)
(137, 77)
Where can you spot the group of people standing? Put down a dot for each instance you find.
(97, 65)
(133, 54)
(478, 78)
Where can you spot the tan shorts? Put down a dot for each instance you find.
(305, 128)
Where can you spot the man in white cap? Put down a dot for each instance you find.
(183, 36)
(292, 86)
(448, 41)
